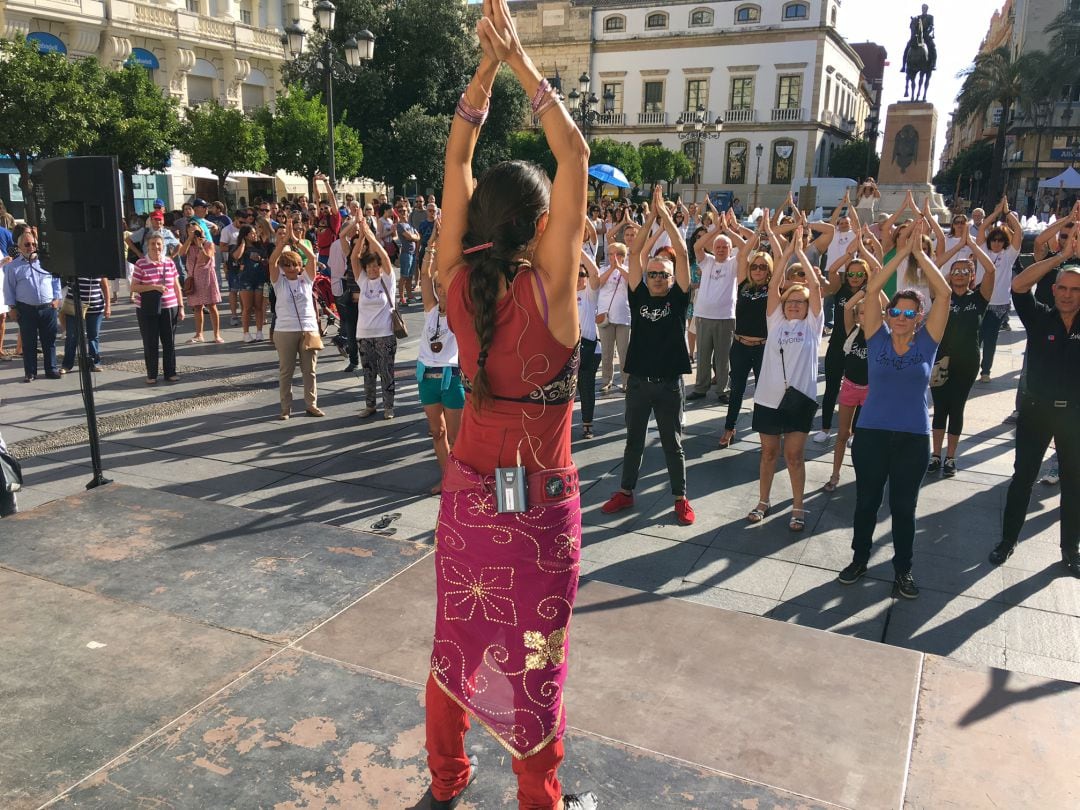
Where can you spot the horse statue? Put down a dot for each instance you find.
(917, 63)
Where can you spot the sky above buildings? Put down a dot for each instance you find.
(960, 28)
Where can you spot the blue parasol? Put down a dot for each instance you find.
(609, 174)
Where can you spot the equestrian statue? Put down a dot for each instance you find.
(920, 56)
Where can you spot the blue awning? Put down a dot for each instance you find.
(47, 43)
(144, 58)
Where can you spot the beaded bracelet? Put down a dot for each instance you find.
(542, 90)
(474, 115)
(551, 101)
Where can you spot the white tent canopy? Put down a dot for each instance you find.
(1070, 178)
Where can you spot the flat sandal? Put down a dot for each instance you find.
(757, 514)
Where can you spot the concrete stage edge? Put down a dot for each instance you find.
(144, 673)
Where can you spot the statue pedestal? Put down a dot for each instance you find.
(907, 157)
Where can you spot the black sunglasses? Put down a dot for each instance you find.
(658, 274)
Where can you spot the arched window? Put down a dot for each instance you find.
(796, 11)
(782, 162)
(748, 14)
(656, 20)
(735, 162)
(202, 82)
(701, 17)
(616, 22)
(690, 149)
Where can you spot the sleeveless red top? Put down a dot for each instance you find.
(533, 380)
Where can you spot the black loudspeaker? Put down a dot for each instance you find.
(80, 227)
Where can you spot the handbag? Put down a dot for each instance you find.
(11, 477)
(68, 308)
(189, 284)
(795, 405)
(601, 317)
(939, 374)
(400, 330)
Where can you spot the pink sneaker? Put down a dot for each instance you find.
(617, 502)
(684, 512)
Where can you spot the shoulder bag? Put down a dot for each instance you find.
(309, 341)
(11, 477)
(601, 317)
(795, 405)
(400, 330)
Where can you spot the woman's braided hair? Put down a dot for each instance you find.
(508, 201)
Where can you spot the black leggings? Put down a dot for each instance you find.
(951, 398)
(834, 376)
(586, 379)
(741, 360)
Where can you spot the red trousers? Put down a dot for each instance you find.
(447, 722)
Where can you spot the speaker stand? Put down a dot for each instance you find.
(87, 385)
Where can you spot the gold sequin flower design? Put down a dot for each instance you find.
(547, 649)
(488, 590)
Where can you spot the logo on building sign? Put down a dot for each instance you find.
(784, 151)
(47, 43)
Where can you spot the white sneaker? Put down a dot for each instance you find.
(247, 337)
(1052, 477)
(259, 336)
(821, 436)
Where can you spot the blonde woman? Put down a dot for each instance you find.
(297, 323)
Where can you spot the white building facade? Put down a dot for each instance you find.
(195, 50)
(776, 72)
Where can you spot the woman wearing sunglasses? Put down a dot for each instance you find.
(847, 276)
(754, 272)
(1003, 246)
(795, 321)
(957, 363)
(892, 440)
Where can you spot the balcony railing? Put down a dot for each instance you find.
(740, 116)
(653, 119)
(788, 114)
(689, 115)
(610, 120)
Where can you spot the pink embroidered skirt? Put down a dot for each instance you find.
(506, 585)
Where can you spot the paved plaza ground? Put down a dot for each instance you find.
(244, 619)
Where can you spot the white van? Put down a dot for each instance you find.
(828, 191)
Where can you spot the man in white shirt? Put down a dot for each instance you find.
(714, 309)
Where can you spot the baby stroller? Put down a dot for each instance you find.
(325, 308)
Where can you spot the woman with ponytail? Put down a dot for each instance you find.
(508, 540)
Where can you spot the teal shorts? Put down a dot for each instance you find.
(432, 392)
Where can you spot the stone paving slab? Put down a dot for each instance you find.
(302, 732)
(86, 677)
(646, 668)
(266, 575)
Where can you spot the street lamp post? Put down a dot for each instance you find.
(870, 133)
(358, 50)
(1040, 114)
(582, 103)
(1066, 118)
(759, 150)
(978, 185)
(695, 128)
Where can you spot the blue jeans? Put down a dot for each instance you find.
(37, 322)
(93, 331)
(407, 261)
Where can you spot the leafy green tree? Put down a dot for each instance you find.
(49, 107)
(663, 165)
(419, 144)
(850, 160)
(995, 79)
(295, 136)
(509, 106)
(143, 126)
(681, 166)
(977, 157)
(223, 140)
(533, 147)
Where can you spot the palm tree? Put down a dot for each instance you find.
(996, 78)
(1064, 32)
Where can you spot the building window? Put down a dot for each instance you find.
(742, 93)
(245, 16)
(796, 11)
(655, 21)
(701, 16)
(615, 22)
(615, 89)
(828, 92)
(789, 92)
(697, 94)
(781, 168)
(653, 95)
(748, 14)
(193, 6)
(735, 163)
(832, 17)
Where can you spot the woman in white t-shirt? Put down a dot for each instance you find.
(1002, 245)
(296, 318)
(795, 324)
(438, 374)
(374, 324)
(613, 313)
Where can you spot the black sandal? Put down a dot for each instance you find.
(450, 804)
(758, 513)
(586, 431)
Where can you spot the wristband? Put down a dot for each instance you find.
(542, 89)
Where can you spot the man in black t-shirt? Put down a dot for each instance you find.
(656, 361)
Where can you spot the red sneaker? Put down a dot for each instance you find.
(617, 502)
(684, 512)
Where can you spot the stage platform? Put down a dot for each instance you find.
(165, 651)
